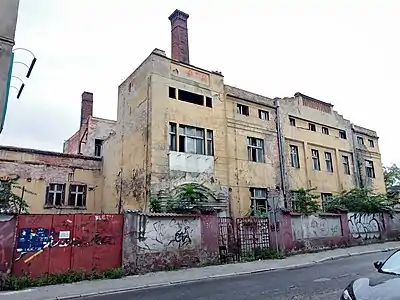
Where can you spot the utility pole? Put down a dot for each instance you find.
(281, 152)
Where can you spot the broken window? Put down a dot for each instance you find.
(315, 160)
(208, 101)
(369, 168)
(190, 97)
(172, 92)
(258, 198)
(263, 115)
(172, 136)
(342, 134)
(242, 109)
(255, 149)
(55, 194)
(77, 195)
(294, 156)
(98, 144)
(371, 143)
(328, 161)
(210, 142)
(191, 139)
(312, 127)
(346, 164)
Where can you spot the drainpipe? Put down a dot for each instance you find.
(280, 151)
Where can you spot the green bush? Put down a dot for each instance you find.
(22, 282)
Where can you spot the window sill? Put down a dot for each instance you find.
(64, 207)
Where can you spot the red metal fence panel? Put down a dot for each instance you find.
(58, 243)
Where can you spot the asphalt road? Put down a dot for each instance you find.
(322, 281)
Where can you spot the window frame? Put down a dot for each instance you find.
(294, 156)
(256, 148)
(262, 113)
(98, 147)
(324, 198)
(254, 198)
(292, 121)
(55, 191)
(195, 138)
(294, 198)
(312, 127)
(371, 143)
(315, 159)
(172, 136)
(325, 130)
(343, 134)
(328, 162)
(346, 164)
(76, 193)
(209, 142)
(369, 166)
(242, 109)
(360, 140)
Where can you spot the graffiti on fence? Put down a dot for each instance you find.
(36, 240)
(365, 226)
(316, 227)
(161, 233)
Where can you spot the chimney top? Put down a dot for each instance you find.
(87, 96)
(178, 14)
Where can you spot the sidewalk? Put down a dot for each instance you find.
(99, 287)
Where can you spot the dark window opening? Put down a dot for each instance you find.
(55, 194)
(190, 97)
(172, 92)
(210, 142)
(77, 195)
(292, 121)
(208, 101)
(360, 140)
(98, 144)
(342, 134)
(172, 136)
(325, 130)
(263, 115)
(312, 127)
(371, 143)
(242, 109)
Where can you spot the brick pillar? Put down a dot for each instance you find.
(179, 36)
(86, 107)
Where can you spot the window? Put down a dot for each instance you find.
(315, 160)
(312, 127)
(294, 156)
(172, 136)
(77, 195)
(258, 200)
(190, 97)
(324, 198)
(263, 115)
(369, 169)
(172, 92)
(130, 87)
(292, 121)
(371, 143)
(342, 134)
(55, 194)
(191, 139)
(346, 164)
(98, 144)
(208, 101)
(360, 140)
(294, 197)
(328, 161)
(325, 130)
(210, 142)
(242, 109)
(255, 149)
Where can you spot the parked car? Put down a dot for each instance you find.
(386, 289)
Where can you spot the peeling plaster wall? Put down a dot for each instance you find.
(37, 169)
(322, 115)
(97, 129)
(243, 173)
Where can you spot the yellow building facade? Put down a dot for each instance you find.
(177, 124)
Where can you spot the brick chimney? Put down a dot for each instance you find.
(179, 36)
(86, 107)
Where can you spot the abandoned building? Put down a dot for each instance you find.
(177, 124)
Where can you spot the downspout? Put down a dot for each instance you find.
(280, 152)
(147, 159)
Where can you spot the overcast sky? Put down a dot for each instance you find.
(345, 52)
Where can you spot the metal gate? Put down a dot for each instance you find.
(228, 250)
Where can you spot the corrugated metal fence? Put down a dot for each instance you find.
(60, 243)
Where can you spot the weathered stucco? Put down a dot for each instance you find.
(36, 169)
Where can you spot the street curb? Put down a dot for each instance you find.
(220, 276)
